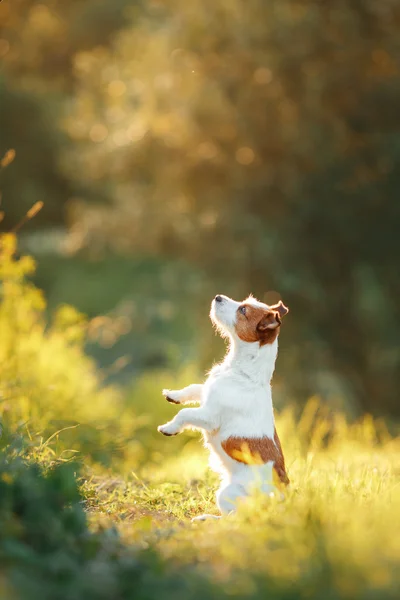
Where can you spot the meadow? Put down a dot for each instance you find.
(94, 503)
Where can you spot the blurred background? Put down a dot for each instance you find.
(184, 149)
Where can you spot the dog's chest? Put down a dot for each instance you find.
(245, 409)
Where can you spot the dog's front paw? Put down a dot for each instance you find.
(171, 396)
(168, 429)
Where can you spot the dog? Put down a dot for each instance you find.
(236, 412)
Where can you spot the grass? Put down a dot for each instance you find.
(332, 536)
(95, 504)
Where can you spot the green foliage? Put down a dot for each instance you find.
(48, 385)
(47, 550)
(54, 31)
(137, 307)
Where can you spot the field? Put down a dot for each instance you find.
(94, 503)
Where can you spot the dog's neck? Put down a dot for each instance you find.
(251, 360)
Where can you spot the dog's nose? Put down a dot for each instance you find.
(218, 298)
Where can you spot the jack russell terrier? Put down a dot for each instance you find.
(236, 414)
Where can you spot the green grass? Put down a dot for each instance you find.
(333, 535)
(95, 504)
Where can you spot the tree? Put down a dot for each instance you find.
(38, 42)
(260, 140)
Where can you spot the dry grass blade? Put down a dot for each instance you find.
(8, 158)
(32, 212)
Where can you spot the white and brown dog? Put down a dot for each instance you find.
(236, 413)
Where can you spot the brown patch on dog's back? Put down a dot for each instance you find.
(256, 451)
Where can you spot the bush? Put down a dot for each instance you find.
(50, 389)
(48, 552)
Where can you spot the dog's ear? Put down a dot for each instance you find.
(281, 308)
(270, 320)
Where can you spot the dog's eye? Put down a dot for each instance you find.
(242, 309)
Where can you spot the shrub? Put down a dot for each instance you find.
(49, 388)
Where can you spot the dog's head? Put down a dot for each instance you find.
(250, 320)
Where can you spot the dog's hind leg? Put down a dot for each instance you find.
(228, 495)
(226, 501)
(204, 518)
